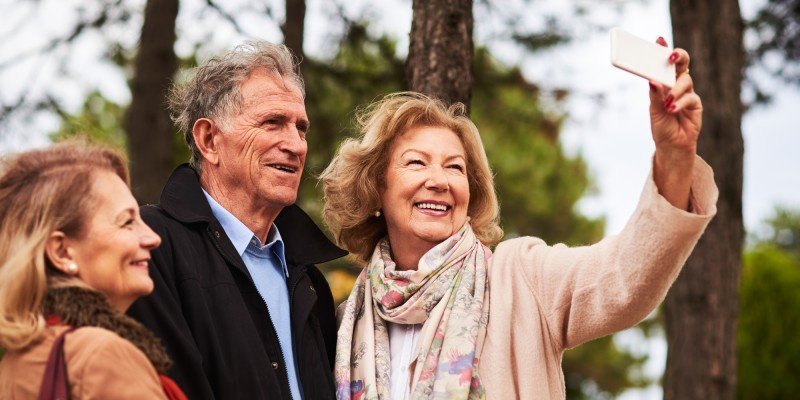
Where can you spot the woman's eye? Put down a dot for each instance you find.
(415, 162)
(457, 167)
(128, 222)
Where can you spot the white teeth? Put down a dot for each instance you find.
(431, 206)
(283, 168)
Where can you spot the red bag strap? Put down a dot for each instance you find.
(55, 384)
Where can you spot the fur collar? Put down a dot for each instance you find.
(79, 307)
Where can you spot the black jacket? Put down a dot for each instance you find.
(209, 315)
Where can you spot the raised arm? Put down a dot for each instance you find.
(592, 291)
(676, 117)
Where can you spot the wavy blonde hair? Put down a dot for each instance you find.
(42, 191)
(354, 178)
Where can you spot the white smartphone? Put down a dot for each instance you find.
(640, 57)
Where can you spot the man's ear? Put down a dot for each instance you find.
(57, 250)
(204, 132)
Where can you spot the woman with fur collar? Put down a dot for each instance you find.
(73, 257)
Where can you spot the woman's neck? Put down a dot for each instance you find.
(406, 253)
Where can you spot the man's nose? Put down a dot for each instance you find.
(294, 141)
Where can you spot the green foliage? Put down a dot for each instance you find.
(99, 119)
(537, 184)
(776, 33)
(785, 232)
(773, 46)
(362, 70)
(769, 320)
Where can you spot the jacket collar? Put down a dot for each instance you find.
(183, 199)
(78, 307)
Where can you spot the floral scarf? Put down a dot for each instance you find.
(448, 294)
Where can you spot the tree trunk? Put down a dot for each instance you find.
(702, 307)
(293, 35)
(294, 27)
(440, 52)
(150, 131)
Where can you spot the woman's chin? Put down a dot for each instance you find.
(142, 286)
(435, 235)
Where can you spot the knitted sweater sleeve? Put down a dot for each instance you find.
(592, 291)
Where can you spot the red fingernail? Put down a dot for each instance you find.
(673, 56)
(672, 108)
(661, 41)
(668, 101)
(652, 87)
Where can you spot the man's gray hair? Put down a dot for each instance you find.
(214, 89)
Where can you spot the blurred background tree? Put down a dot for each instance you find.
(776, 45)
(702, 307)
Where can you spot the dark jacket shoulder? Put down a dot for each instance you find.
(207, 311)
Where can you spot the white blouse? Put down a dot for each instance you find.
(403, 343)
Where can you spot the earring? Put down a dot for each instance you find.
(72, 268)
(377, 213)
(469, 218)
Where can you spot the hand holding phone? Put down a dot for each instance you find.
(642, 58)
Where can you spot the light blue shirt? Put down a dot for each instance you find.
(267, 265)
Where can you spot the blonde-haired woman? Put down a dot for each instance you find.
(73, 257)
(435, 313)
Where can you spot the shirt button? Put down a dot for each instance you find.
(312, 288)
(274, 365)
(216, 233)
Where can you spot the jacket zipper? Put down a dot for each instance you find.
(272, 323)
(280, 347)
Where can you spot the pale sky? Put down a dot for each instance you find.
(614, 137)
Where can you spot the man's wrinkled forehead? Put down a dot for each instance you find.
(261, 85)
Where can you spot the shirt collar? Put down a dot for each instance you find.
(243, 238)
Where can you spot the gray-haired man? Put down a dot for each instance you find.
(238, 302)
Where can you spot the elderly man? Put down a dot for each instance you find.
(238, 303)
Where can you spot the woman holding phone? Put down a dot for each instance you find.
(436, 313)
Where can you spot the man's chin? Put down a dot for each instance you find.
(281, 199)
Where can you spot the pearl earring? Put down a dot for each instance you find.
(377, 213)
(72, 268)
(469, 218)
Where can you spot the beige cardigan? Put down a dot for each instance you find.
(544, 300)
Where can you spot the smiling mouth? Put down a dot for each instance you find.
(432, 206)
(284, 168)
(140, 263)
